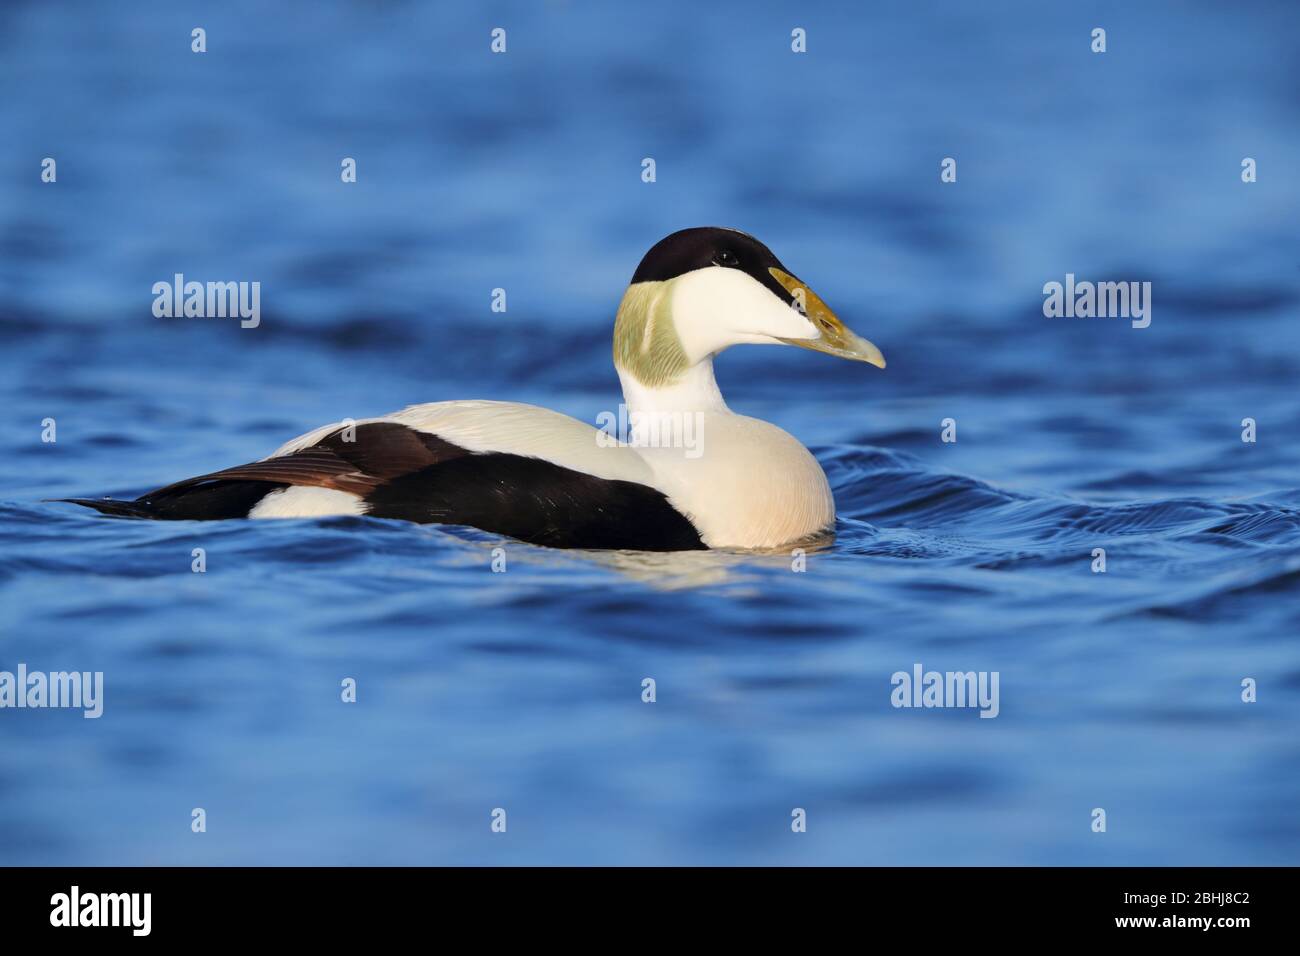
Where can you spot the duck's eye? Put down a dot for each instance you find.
(726, 257)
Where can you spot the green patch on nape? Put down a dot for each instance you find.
(645, 338)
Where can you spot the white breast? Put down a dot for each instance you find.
(752, 485)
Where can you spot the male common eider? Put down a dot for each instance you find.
(549, 479)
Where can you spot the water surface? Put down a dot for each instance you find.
(522, 690)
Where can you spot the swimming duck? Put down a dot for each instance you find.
(542, 477)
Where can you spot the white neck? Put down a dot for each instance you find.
(695, 390)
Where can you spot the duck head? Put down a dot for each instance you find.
(702, 290)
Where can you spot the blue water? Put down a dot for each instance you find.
(522, 690)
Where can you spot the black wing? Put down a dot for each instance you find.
(404, 473)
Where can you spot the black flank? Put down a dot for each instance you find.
(538, 502)
(411, 475)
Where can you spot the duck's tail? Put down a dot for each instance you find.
(198, 499)
(111, 506)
